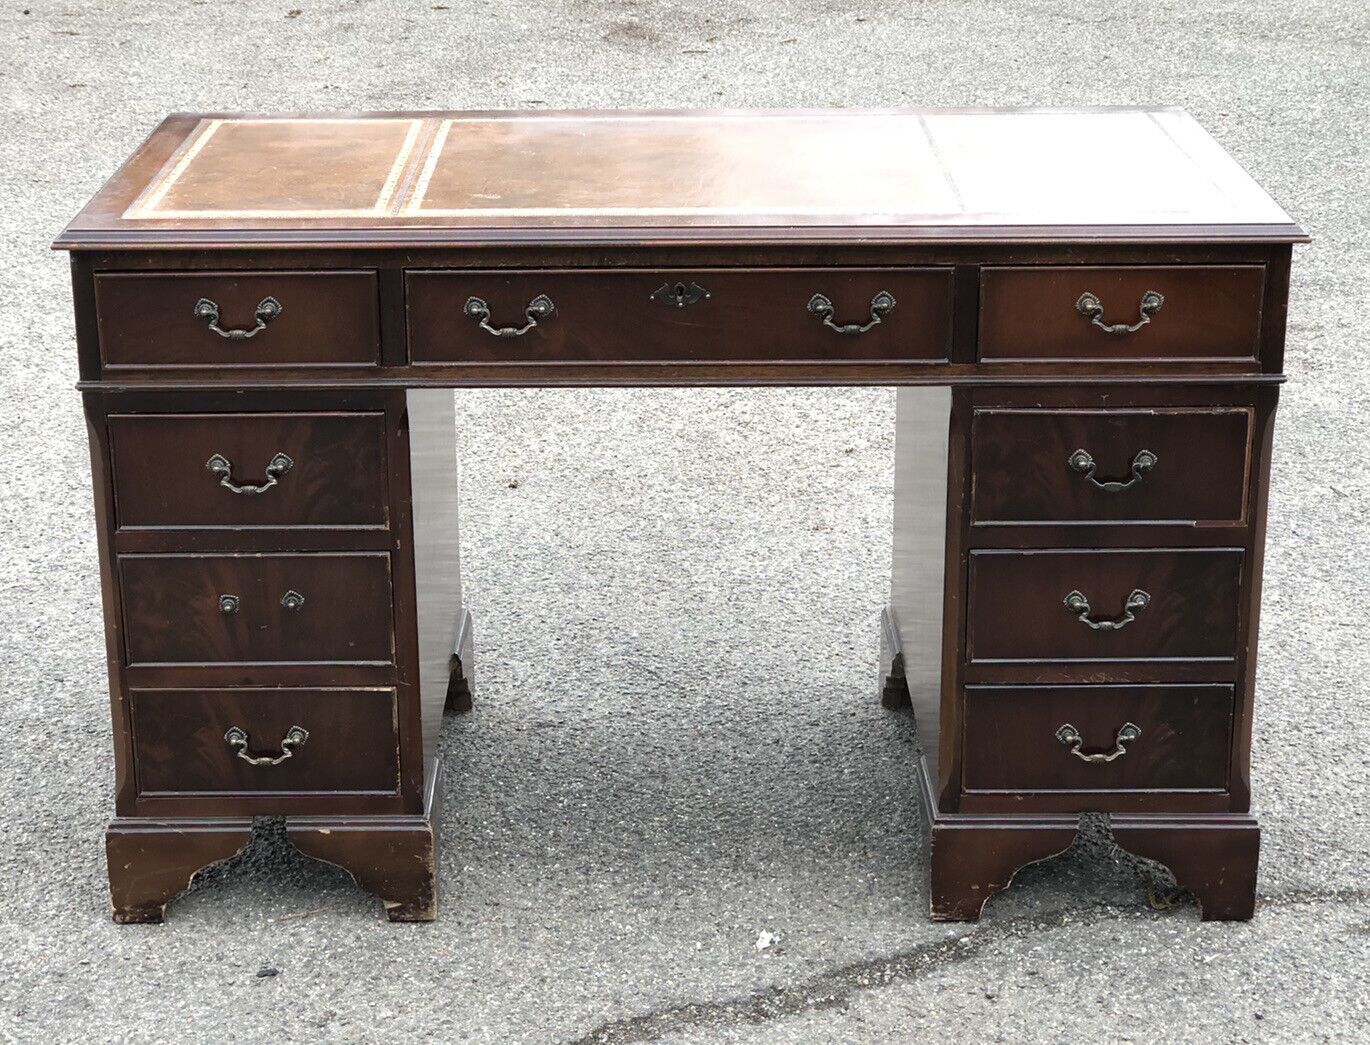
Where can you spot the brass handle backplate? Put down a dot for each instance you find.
(1081, 461)
(1070, 736)
(881, 306)
(1092, 309)
(539, 308)
(221, 466)
(236, 739)
(1136, 602)
(267, 310)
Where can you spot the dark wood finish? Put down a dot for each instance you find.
(1017, 609)
(1021, 472)
(326, 319)
(971, 861)
(172, 614)
(150, 862)
(610, 316)
(373, 230)
(1214, 858)
(393, 857)
(1209, 312)
(337, 478)
(179, 745)
(1012, 748)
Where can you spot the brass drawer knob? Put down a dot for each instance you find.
(1092, 309)
(236, 738)
(1081, 462)
(881, 306)
(292, 600)
(267, 310)
(1070, 736)
(222, 467)
(1136, 602)
(228, 604)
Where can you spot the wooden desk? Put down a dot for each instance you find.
(1084, 311)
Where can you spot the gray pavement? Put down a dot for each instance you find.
(676, 742)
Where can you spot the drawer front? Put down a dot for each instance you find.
(1012, 741)
(156, 320)
(249, 470)
(1019, 612)
(238, 609)
(350, 741)
(1207, 312)
(756, 315)
(1163, 465)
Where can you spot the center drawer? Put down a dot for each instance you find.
(1162, 604)
(249, 470)
(257, 609)
(734, 315)
(243, 741)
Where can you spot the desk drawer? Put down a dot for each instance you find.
(1206, 312)
(267, 319)
(246, 471)
(1023, 738)
(257, 609)
(1104, 605)
(320, 740)
(1161, 465)
(747, 315)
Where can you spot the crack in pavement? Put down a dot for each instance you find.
(835, 988)
(828, 990)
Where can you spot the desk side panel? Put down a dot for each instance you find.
(437, 560)
(920, 527)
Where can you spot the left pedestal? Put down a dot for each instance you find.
(284, 626)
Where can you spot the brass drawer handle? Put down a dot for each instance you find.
(1070, 736)
(539, 308)
(223, 468)
(679, 294)
(228, 604)
(1136, 602)
(237, 741)
(881, 306)
(267, 310)
(292, 601)
(1092, 309)
(1080, 461)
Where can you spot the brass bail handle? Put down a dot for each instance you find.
(267, 310)
(1089, 306)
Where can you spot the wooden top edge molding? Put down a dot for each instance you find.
(618, 177)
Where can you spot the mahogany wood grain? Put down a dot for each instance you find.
(1022, 473)
(607, 315)
(373, 230)
(337, 478)
(173, 615)
(1012, 747)
(179, 746)
(326, 319)
(1017, 610)
(1209, 312)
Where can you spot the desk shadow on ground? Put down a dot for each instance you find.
(636, 817)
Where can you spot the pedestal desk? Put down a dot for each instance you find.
(1084, 313)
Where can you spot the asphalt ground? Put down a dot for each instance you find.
(677, 744)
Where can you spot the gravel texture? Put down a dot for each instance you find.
(677, 744)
